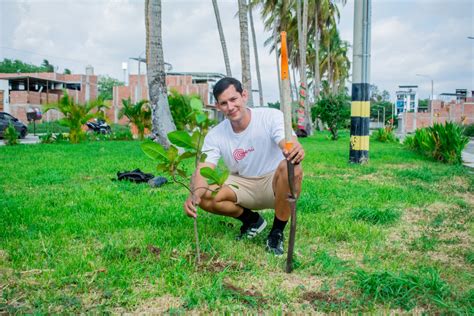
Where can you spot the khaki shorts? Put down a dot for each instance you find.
(255, 193)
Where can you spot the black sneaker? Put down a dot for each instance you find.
(251, 230)
(275, 242)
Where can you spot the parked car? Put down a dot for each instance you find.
(5, 120)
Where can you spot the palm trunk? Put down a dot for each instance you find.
(162, 121)
(275, 42)
(302, 35)
(257, 65)
(222, 37)
(317, 79)
(245, 50)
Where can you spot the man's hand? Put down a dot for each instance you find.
(296, 154)
(189, 208)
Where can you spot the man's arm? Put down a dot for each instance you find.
(296, 154)
(200, 186)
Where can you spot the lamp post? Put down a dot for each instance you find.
(431, 98)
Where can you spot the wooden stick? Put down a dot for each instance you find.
(286, 108)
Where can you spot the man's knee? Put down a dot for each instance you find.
(282, 172)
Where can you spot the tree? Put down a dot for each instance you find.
(162, 122)
(222, 38)
(18, 66)
(333, 110)
(105, 86)
(245, 50)
(47, 66)
(67, 71)
(138, 114)
(75, 114)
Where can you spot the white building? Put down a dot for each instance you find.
(407, 99)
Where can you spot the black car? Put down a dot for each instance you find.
(5, 120)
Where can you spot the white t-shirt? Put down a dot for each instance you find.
(253, 152)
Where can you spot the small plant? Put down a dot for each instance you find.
(376, 216)
(170, 160)
(75, 115)
(138, 113)
(469, 130)
(385, 135)
(10, 135)
(443, 143)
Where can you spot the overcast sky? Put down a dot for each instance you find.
(426, 37)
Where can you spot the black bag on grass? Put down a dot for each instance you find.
(136, 176)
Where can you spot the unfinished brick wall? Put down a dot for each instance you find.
(462, 113)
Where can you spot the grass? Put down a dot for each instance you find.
(393, 235)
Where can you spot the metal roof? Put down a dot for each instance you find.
(38, 78)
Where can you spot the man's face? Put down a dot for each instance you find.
(232, 104)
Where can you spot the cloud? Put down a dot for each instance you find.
(408, 37)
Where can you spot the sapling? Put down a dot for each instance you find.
(187, 145)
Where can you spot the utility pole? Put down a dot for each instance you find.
(360, 105)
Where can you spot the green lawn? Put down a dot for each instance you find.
(393, 235)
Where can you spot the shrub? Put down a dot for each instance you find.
(138, 113)
(48, 127)
(469, 130)
(333, 110)
(385, 135)
(10, 135)
(443, 143)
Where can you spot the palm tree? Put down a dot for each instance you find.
(257, 65)
(222, 37)
(75, 115)
(138, 114)
(162, 121)
(244, 50)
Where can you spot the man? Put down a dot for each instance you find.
(251, 143)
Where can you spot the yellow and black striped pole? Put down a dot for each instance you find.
(360, 106)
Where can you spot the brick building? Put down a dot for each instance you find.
(456, 110)
(184, 82)
(22, 92)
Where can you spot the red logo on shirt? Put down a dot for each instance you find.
(240, 153)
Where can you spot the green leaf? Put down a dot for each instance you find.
(210, 174)
(195, 139)
(203, 157)
(187, 155)
(234, 185)
(201, 118)
(181, 139)
(162, 167)
(196, 104)
(155, 151)
(172, 153)
(223, 177)
(181, 172)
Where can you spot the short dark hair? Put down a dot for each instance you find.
(224, 83)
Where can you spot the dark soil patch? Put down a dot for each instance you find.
(318, 298)
(154, 250)
(250, 297)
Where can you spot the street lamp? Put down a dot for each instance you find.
(431, 99)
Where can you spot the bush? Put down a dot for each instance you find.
(385, 135)
(469, 130)
(10, 135)
(48, 127)
(120, 132)
(443, 143)
(333, 110)
(180, 107)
